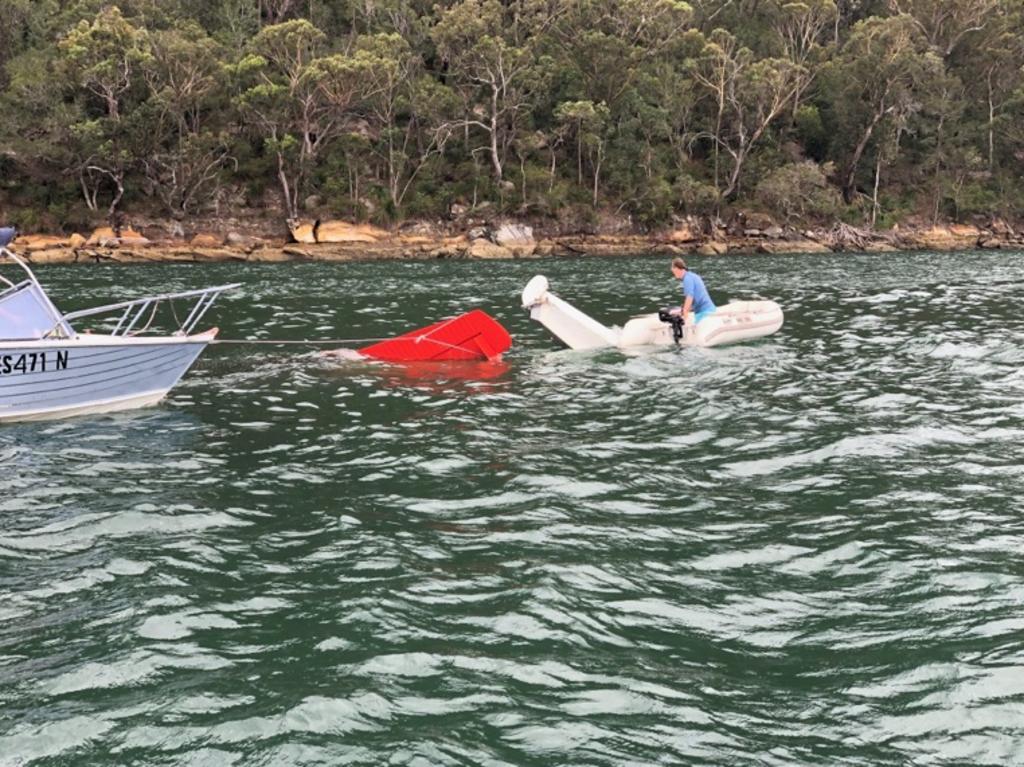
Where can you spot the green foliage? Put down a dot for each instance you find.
(569, 109)
(809, 130)
(695, 196)
(800, 191)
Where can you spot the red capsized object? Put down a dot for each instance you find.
(474, 335)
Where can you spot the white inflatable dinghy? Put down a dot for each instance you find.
(735, 322)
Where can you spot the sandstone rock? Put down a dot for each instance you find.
(446, 252)
(457, 210)
(269, 255)
(937, 238)
(103, 237)
(477, 233)
(879, 246)
(684, 233)
(792, 246)
(753, 233)
(965, 230)
(774, 233)
(513, 234)
(544, 248)
(216, 255)
(206, 241)
(486, 249)
(1000, 227)
(342, 231)
(31, 243)
(133, 239)
(421, 229)
(713, 248)
(134, 242)
(518, 238)
(992, 243)
(76, 241)
(242, 241)
(58, 255)
(303, 233)
(759, 221)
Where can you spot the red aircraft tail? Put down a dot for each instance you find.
(471, 336)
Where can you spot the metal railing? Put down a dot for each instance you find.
(132, 312)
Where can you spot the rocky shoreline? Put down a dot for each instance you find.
(343, 241)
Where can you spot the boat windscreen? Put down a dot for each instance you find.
(26, 314)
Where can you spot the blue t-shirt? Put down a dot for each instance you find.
(693, 285)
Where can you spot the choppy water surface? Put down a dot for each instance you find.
(801, 551)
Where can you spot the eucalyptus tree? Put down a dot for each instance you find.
(880, 74)
(802, 27)
(188, 143)
(21, 22)
(748, 95)
(945, 24)
(236, 22)
(297, 100)
(104, 58)
(609, 43)
(588, 122)
(276, 11)
(409, 112)
(995, 61)
(490, 72)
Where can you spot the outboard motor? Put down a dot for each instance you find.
(675, 319)
(7, 235)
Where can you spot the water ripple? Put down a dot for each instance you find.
(799, 551)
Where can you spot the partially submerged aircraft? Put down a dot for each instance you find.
(731, 323)
(474, 335)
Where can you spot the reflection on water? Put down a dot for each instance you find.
(798, 551)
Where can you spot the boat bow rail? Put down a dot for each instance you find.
(133, 312)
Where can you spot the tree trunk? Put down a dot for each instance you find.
(991, 124)
(851, 173)
(286, 189)
(495, 156)
(734, 177)
(938, 169)
(118, 179)
(874, 195)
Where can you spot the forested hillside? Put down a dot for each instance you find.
(865, 111)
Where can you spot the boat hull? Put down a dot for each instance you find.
(735, 322)
(48, 379)
(730, 324)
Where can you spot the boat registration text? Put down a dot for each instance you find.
(32, 362)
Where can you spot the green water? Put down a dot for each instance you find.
(803, 551)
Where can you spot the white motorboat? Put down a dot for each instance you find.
(49, 370)
(732, 323)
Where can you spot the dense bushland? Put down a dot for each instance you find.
(868, 111)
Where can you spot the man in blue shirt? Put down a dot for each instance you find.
(696, 295)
